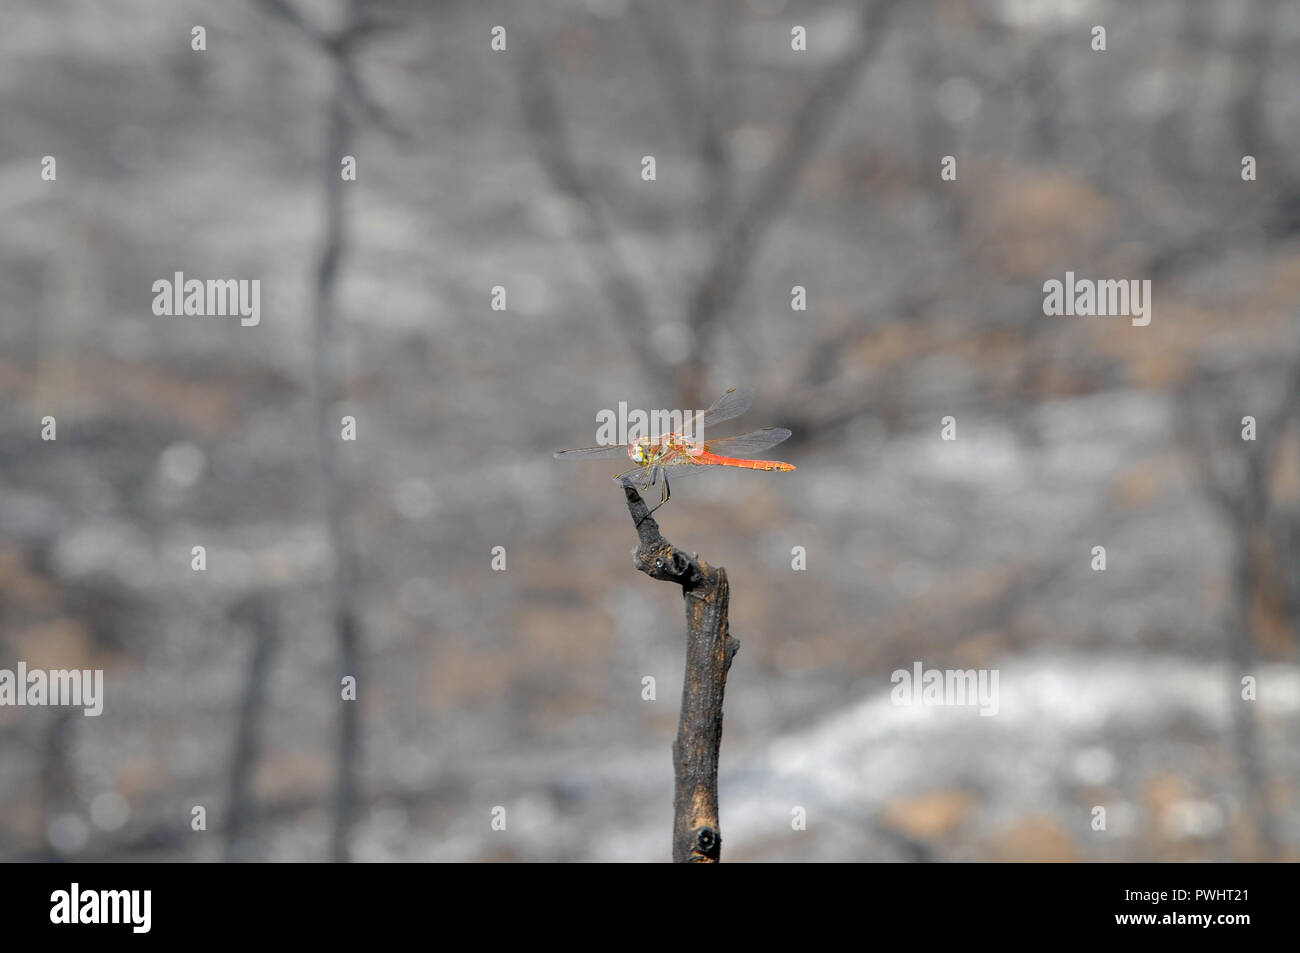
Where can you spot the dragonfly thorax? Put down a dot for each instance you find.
(652, 451)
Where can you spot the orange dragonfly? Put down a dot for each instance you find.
(656, 458)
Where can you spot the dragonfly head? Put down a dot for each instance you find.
(637, 453)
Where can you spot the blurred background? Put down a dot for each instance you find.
(522, 168)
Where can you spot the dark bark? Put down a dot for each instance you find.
(697, 836)
(258, 613)
(346, 582)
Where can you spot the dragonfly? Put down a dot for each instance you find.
(654, 459)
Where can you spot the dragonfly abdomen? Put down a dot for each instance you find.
(713, 458)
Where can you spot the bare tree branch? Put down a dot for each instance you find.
(345, 587)
(241, 814)
(345, 590)
(290, 14)
(735, 252)
(544, 121)
(689, 97)
(697, 836)
(1244, 500)
(341, 47)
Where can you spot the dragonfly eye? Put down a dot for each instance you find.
(638, 454)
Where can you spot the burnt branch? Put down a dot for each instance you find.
(341, 46)
(710, 648)
(257, 613)
(609, 266)
(738, 246)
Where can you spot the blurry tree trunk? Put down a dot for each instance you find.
(1253, 62)
(1242, 495)
(1172, 136)
(57, 778)
(345, 588)
(1245, 726)
(258, 614)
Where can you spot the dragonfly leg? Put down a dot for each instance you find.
(663, 496)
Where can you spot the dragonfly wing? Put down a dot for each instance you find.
(727, 407)
(673, 469)
(654, 473)
(744, 444)
(593, 453)
(639, 476)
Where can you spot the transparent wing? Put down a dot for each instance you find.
(746, 443)
(674, 469)
(593, 453)
(727, 407)
(640, 476)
